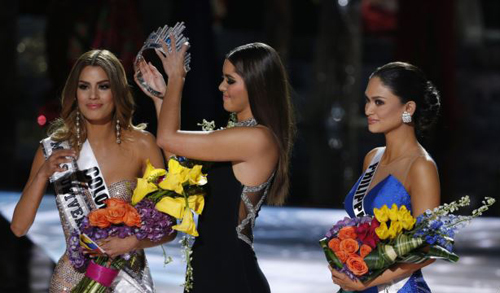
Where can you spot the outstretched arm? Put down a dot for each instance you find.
(235, 144)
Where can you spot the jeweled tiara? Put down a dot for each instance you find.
(153, 42)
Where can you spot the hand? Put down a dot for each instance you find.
(52, 164)
(153, 78)
(115, 246)
(345, 282)
(173, 60)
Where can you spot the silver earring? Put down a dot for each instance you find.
(118, 138)
(406, 117)
(78, 128)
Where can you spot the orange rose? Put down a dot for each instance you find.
(357, 265)
(132, 217)
(348, 232)
(334, 244)
(365, 250)
(341, 255)
(115, 214)
(98, 218)
(115, 202)
(349, 246)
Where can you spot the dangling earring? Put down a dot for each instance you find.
(118, 138)
(78, 128)
(406, 117)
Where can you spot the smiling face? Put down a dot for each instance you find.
(383, 109)
(234, 92)
(94, 95)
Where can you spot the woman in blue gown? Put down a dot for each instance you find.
(400, 103)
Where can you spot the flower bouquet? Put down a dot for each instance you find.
(178, 193)
(117, 219)
(364, 247)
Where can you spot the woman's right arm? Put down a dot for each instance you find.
(41, 170)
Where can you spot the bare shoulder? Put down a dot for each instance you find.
(423, 173)
(369, 157)
(142, 138)
(423, 165)
(256, 138)
(264, 136)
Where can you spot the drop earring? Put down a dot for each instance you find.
(118, 137)
(78, 142)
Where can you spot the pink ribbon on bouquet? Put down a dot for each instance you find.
(100, 274)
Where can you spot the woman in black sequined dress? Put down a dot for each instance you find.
(251, 160)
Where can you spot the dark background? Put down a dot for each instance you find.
(329, 48)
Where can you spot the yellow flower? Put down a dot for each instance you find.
(187, 225)
(146, 184)
(196, 177)
(172, 206)
(177, 206)
(382, 214)
(408, 221)
(403, 209)
(176, 176)
(393, 212)
(142, 189)
(196, 203)
(382, 231)
(151, 173)
(395, 228)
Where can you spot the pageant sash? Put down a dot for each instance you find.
(88, 164)
(68, 186)
(364, 184)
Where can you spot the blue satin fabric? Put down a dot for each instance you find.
(386, 192)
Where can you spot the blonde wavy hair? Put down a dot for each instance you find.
(64, 128)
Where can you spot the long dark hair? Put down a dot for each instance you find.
(268, 90)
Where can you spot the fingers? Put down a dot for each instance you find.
(173, 42)
(337, 274)
(59, 157)
(153, 69)
(63, 153)
(184, 48)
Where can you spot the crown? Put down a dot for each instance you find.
(154, 42)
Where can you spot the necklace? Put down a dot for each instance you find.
(246, 123)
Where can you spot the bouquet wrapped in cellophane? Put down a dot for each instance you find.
(364, 247)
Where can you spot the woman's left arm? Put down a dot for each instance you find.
(424, 189)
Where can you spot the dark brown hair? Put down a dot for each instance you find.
(268, 90)
(409, 83)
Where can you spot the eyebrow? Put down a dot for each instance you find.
(99, 82)
(375, 97)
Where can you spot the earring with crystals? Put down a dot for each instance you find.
(78, 128)
(118, 138)
(406, 117)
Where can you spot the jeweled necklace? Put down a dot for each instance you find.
(246, 123)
